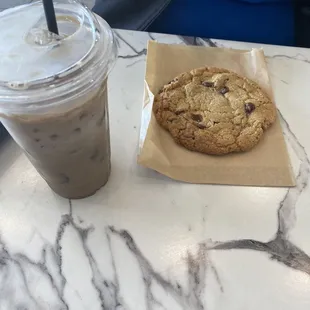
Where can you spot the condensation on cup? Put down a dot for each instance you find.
(53, 93)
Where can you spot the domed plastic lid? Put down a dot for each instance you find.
(31, 57)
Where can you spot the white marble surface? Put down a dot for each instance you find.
(145, 242)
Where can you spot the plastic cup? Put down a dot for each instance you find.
(53, 93)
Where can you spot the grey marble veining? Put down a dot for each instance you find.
(279, 247)
(148, 243)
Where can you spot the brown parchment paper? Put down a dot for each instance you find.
(267, 164)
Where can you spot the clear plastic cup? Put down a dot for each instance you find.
(53, 93)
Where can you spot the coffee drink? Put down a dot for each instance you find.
(70, 150)
(66, 134)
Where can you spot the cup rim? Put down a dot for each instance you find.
(77, 79)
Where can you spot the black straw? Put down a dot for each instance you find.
(50, 16)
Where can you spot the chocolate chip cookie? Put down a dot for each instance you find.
(214, 111)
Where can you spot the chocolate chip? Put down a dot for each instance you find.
(224, 90)
(54, 137)
(200, 125)
(179, 111)
(207, 84)
(77, 130)
(173, 81)
(37, 140)
(249, 107)
(197, 117)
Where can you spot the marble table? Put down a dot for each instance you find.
(145, 242)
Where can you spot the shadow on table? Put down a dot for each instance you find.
(153, 176)
(9, 152)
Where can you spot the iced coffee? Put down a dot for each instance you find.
(55, 105)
